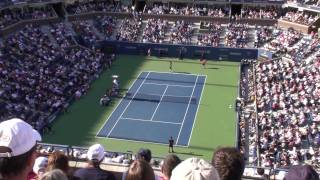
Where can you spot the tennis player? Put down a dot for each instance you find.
(203, 60)
(171, 142)
(171, 66)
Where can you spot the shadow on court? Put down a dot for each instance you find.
(201, 148)
(181, 72)
(215, 68)
(222, 85)
(188, 153)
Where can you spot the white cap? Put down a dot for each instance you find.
(17, 135)
(40, 163)
(194, 169)
(95, 152)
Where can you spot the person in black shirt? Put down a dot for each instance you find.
(171, 141)
(170, 66)
(203, 60)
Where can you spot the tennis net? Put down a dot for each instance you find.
(158, 98)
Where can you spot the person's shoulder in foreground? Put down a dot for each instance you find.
(302, 172)
(95, 156)
(194, 169)
(18, 142)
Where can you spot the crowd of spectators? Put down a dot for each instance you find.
(288, 98)
(269, 12)
(38, 79)
(304, 48)
(62, 35)
(128, 9)
(26, 160)
(155, 31)
(12, 16)
(212, 37)
(262, 35)
(91, 6)
(157, 9)
(106, 25)
(187, 10)
(237, 35)
(129, 29)
(283, 39)
(218, 12)
(300, 17)
(311, 3)
(85, 31)
(181, 32)
(9, 16)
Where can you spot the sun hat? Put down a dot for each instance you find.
(194, 169)
(95, 152)
(18, 136)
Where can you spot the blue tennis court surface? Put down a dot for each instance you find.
(157, 105)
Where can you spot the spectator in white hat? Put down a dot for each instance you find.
(95, 156)
(194, 169)
(18, 142)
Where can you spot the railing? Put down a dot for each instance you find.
(256, 114)
(77, 156)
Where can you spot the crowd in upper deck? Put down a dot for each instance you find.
(11, 16)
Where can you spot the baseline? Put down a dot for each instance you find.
(128, 105)
(116, 108)
(159, 84)
(147, 120)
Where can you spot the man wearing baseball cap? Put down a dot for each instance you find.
(18, 142)
(95, 156)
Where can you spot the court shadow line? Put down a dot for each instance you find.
(212, 68)
(181, 72)
(187, 153)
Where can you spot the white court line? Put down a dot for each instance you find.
(156, 84)
(174, 96)
(173, 85)
(117, 106)
(128, 105)
(154, 113)
(185, 114)
(195, 117)
(147, 120)
(159, 72)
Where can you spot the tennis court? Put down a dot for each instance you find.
(157, 105)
